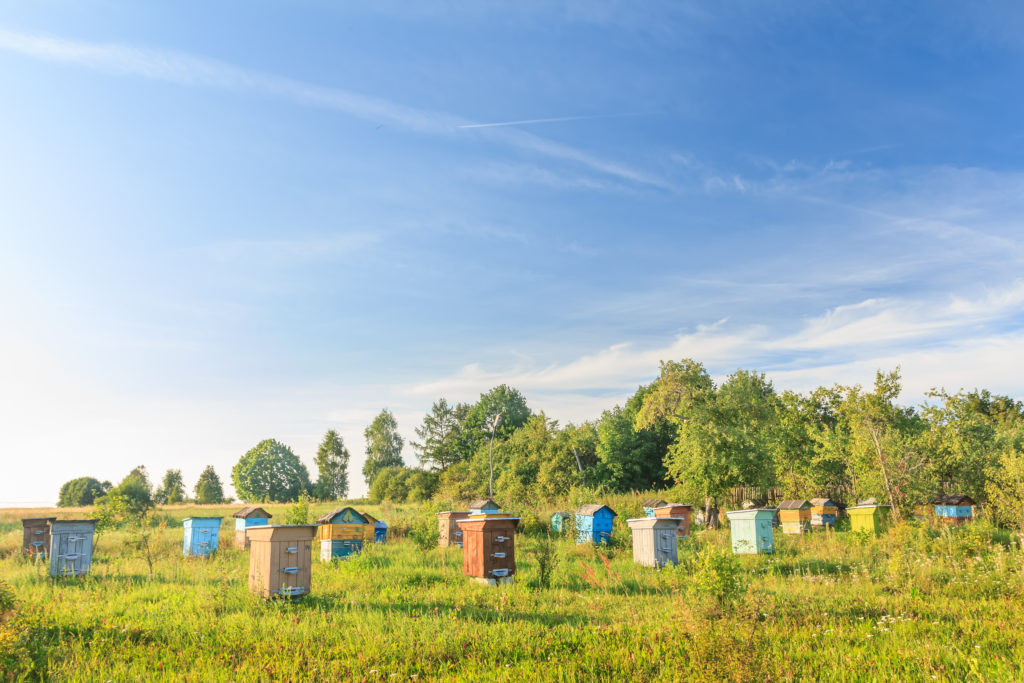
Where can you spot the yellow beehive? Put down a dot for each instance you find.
(343, 524)
(795, 516)
(368, 531)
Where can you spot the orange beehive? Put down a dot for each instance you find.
(678, 511)
(489, 548)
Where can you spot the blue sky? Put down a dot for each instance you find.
(221, 223)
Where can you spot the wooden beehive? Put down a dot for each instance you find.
(953, 508)
(489, 548)
(202, 535)
(651, 503)
(249, 517)
(280, 560)
(380, 531)
(868, 516)
(369, 531)
(35, 532)
(448, 529)
(655, 540)
(751, 530)
(485, 507)
(823, 513)
(342, 532)
(679, 511)
(594, 523)
(558, 521)
(795, 516)
(71, 543)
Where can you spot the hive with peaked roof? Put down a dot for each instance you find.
(594, 523)
(795, 516)
(341, 533)
(249, 517)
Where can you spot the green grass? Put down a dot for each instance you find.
(914, 604)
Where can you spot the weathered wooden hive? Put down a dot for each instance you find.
(559, 521)
(751, 530)
(35, 534)
(655, 542)
(71, 542)
(795, 516)
(202, 535)
(448, 529)
(955, 508)
(249, 517)
(342, 533)
(594, 523)
(680, 511)
(823, 513)
(651, 503)
(868, 515)
(280, 560)
(489, 548)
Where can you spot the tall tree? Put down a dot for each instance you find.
(332, 465)
(632, 457)
(438, 446)
(171, 490)
(209, 489)
(270, 471)
(81, 492)
(383, 445)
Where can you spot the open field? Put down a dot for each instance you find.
(915, 604)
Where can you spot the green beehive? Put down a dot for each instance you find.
(751, 530)
(868, 515)
(558, 521)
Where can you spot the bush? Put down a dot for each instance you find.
(298, 512)
(6, 598)
(424, 533)
(547, 560)
(718, 576)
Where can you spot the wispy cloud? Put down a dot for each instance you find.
(529, 122)
(190, 70)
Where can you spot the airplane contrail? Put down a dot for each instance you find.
(529, 121)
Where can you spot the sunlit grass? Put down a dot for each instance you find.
(914, 604)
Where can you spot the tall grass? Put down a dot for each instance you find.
(914, 604)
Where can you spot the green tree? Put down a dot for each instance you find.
(810, 448)
(171, 490)
(209, 489)
(270, 471)
(1005, 489)
(332, 466)
(81, 492)
(887, 454)
(438, 446)
(632, 458)
(383, 445)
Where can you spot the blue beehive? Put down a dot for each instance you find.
(652, 503)
(751, 530)
(201, 535)
(594, 523)
(380, 531)
(953, 508)
(249, 517)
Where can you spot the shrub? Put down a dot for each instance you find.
(424, 533)
(298, 512)
(547, 560)
(718, 576)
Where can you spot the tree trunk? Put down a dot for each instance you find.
(885, 475)
(710, 521)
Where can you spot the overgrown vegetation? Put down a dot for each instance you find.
(915, 603)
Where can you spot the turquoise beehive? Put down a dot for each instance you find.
(594, 523)
(751, 530)
(201, 535)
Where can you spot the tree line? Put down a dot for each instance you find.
(682, 430)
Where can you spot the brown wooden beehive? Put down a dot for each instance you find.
(280, 559)
(36, 535)
(448, 527)
(678, 511)
(489, 548)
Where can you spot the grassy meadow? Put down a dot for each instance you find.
(917, 603)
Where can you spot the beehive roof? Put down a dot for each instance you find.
(654, 502)
(794, 504)
(821, 501)
(329, 517)
(252, 511)
(953, 499)
(868, 501)
(483, 503)
(592, 508)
